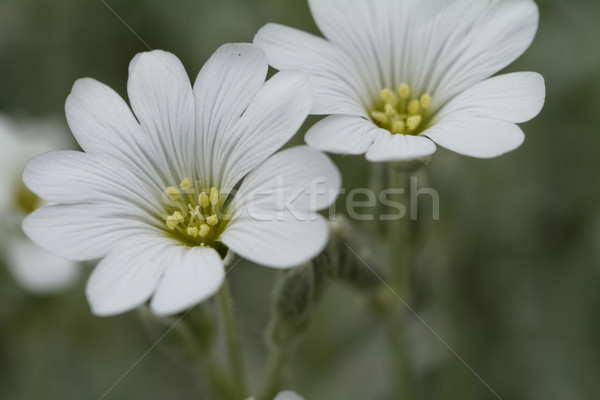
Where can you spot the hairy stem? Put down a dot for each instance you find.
(234, 349)
(399, 248)
(275, 371)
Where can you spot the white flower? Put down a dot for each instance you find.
(285, 395)
(399, 75)
(151, 194)
(33, 268)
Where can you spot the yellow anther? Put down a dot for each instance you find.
(401, 111)
(173, 193)
(404, 90)
(398, 127)
(212, 220)
(414, 122)
(388, 96)
(426, 101)
(214, 196)
(378, 116)
(192, 231)
(203, 199)
(413, 107)
(173, 220)
(204, 229)
(185, 184)
(390, 110)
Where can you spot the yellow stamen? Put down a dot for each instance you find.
(185, 184)
(195, 218)
(388, 96)
(204, 229)
(402, 112)
(173, 220)
(426, 101)
(413, 122)
(398, 127)
(390, 110)
(214, 196)
(378, 116)
(404, 90)
(212, 220)
(203, 200)
(413, 107)
(173, 193)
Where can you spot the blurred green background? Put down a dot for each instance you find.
(509, 276)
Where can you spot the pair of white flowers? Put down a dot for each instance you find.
(163, 193)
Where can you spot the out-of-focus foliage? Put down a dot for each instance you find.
(508, 277)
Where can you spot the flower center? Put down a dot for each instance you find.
(400, 112)
(25, 201)
(193, 216)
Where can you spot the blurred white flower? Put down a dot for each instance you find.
(155, 198)
(285, 395)
(36, 270)
(398, 75)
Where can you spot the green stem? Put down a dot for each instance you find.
(234, 349)
(399, 248)
(220, 381)
(275, 370)
(398, 241)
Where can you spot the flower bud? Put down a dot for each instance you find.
(295, 301)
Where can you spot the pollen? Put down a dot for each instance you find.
(203, 199)
(173, 193)
(204, 229)
(413, 122)
(403, 90)
(174, 219)
(185, 184)
(214, 196)
(191, 217)
(402, 111)
(212, 220)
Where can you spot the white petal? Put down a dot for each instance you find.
(72, 177)
(128, 276)
(343, 134)
(162, 99)
(492, 34)
(480, 121)
(273, 117)
(365, 29)
(437, 46)
(80, 232)
(280, 241)
(516, 97)
(338, 87)
(391, 148)
(288, 395)
(476, 136)
(102, 122)
(299, 178)
(193, 275)
(224, 88)
(38, 271)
